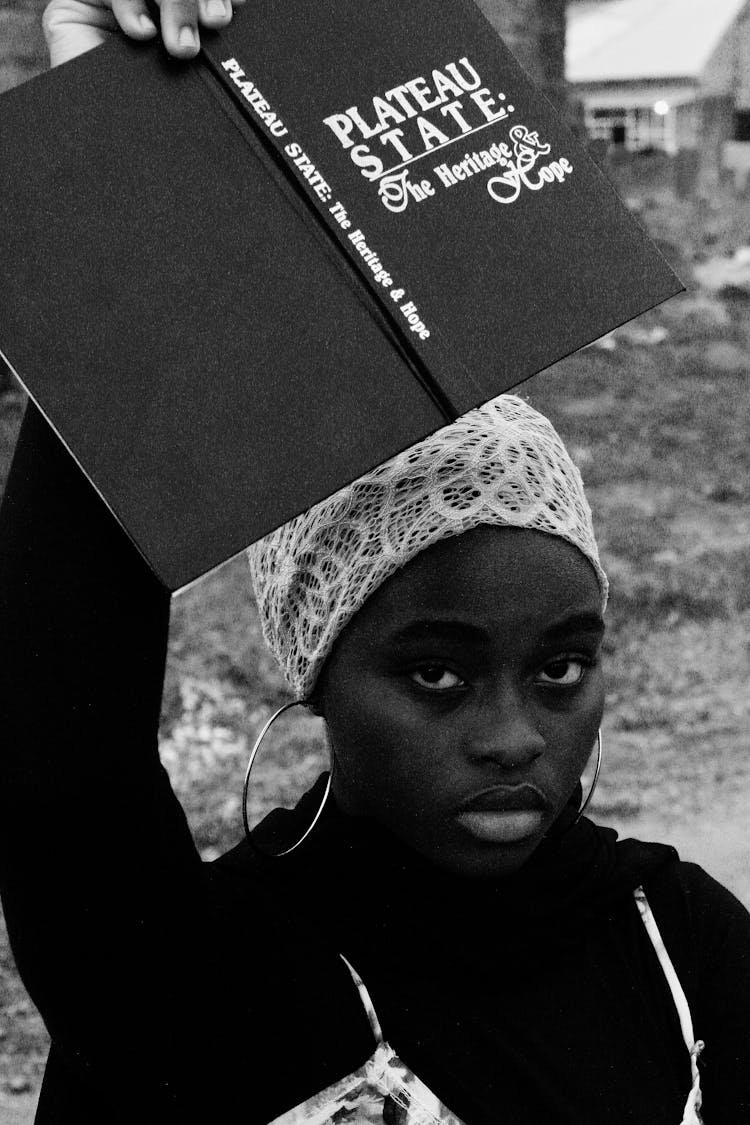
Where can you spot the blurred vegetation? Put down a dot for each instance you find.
(22, 50)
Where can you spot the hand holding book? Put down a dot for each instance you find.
(400, 229)
(74, 26)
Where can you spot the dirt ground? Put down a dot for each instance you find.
(19, 1110)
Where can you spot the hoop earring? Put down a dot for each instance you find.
(597, 771)
(246, 787)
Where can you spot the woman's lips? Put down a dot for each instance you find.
(504, 814)
(502, 827)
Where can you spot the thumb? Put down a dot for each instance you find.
(74, 26)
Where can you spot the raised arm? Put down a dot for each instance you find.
(89, 828)
(166, 983)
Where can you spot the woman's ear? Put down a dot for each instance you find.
(314, 703)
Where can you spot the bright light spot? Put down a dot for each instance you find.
(662, 108)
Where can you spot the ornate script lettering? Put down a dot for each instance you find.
(393, 191)
(527, 151)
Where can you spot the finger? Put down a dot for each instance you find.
(179, 27)
(132, 16)
(74, 26)
(214, 13)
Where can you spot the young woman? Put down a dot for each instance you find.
(451, 941)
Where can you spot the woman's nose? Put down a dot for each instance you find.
(506, 732)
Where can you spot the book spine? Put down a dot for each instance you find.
(265, 132)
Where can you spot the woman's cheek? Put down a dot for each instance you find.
(375, 755)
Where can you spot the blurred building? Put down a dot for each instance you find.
(667, 76)
(535, 32)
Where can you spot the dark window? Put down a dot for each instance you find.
(618, 134)
(742, 125)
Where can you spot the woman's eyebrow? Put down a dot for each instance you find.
(586, 622)
(430, 627)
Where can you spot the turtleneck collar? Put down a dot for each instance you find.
(579, 869)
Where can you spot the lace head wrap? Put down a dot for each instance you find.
(502, 464)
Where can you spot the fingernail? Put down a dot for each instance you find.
(187, 38)
(145, 23)
(216, 8)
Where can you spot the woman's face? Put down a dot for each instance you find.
(463, 699)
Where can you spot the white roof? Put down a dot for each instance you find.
(631, 40)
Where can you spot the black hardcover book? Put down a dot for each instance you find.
(234, 285)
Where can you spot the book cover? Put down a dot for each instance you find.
(232, 286)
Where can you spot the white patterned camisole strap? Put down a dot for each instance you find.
(692, 1112)
(382, 1092)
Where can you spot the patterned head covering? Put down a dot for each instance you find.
(502, 464)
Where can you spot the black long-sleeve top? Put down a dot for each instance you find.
(178, 991)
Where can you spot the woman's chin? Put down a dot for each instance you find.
(487, 850)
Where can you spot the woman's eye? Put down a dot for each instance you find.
(566, 672)
(436, 677)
